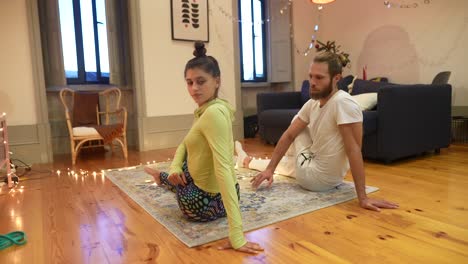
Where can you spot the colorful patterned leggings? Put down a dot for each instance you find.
(196, 204)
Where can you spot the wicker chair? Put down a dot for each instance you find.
(108, 112)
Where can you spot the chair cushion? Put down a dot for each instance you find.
(85, 131)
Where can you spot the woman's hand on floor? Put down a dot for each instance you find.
(177, 179)
(249, 247)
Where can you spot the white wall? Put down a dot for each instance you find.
(16, 79)
(165, 59)
(406, 45)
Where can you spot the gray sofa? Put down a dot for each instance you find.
(408, 119)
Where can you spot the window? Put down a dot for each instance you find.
(252, 40)
(83, 29)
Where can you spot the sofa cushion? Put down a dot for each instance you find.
(283, 117)
(344, 82)
(369, 122)
(305, 96)
(277, 117)
(366, 101)
(379, 79)
(350, 86)
(362, 86)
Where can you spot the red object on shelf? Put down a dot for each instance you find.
(364, 72)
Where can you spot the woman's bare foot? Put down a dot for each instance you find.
(155, 174)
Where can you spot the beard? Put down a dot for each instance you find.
(322, 94)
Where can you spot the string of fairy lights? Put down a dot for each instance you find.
(400, 4)
(79, 174)
(286, 5)
(11, 170)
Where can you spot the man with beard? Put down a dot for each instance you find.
(325, 139)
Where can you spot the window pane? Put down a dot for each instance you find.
(247, 36)
(258, 39)
(89, 51)
(67, 30)
(102, 34)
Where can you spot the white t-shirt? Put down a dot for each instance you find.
(328, 152)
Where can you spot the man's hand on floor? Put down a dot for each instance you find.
(264, 175)
(376, 204)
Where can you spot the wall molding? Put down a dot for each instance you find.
(169, 131)
(159, 132)
(461, 110)
(42, 127)
(238, 126)
(34, 142)
(138, 76)
(26, 143)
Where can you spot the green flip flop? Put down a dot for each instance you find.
(13, 238)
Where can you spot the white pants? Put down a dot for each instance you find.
(298, 163)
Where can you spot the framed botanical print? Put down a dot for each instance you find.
(189, 20)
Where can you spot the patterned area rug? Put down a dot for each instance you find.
(285, 199)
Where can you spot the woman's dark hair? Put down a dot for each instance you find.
(207, 63)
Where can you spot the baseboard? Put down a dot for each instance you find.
(168, 131)
(26, 144)
(159, 133)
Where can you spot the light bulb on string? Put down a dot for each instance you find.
(390, 4)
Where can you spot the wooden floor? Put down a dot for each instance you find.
(89, 220)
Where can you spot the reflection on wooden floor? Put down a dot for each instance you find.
(87, 219)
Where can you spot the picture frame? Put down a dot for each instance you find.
(189, 20)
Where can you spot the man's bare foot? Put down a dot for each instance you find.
(241, 155)
(155, 174)
(246, 161)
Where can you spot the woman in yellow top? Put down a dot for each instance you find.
(202, 172)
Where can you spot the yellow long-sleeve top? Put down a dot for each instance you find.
(208, 148)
